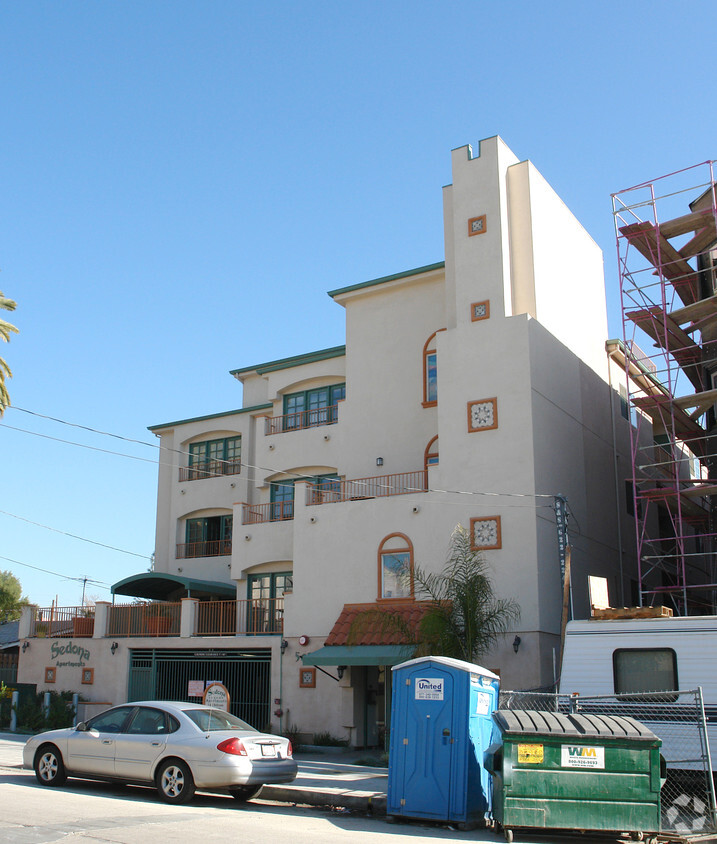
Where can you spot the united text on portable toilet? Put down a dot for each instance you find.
(441, 726)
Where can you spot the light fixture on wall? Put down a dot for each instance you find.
(379, 461)
(113, 647)
(516, 643)
(25, 646)
(340, 671)
(284, 645)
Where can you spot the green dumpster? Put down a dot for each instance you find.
(582, 772)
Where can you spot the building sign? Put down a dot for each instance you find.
(217, 696)
(69, 654)
(561, 522)
(578, 756)
(429, 688)
(196, 688)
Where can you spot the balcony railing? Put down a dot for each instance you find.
(208, 548)
(276, 511)
(258, 616)
(302, 419)
(379, 486)
(210, 469)
(63, 622)
(160, 619)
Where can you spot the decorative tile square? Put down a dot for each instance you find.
(482, 415)
(477, 225)
(485, 533)
(480, 310)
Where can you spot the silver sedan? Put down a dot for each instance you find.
(176, 747)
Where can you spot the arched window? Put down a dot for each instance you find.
(430, 371)
(430, 455)
(395, 568)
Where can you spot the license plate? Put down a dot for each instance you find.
(268, 750)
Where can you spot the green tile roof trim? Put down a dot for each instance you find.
(384, 279)
(297, 360)
(212, 416)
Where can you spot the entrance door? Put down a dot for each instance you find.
(428, 743)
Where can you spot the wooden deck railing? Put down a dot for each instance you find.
(160, 619)
(379, 486)
(210, 469)
(302, 419)
(258, 616)
(63, 622)
(210, 548)
(276, 511)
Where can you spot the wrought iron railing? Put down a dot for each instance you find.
(63, 622)
(275, 511)
(257, 616)
(302, 419)
(155, 619)
(378, 486)
(208, 548)
(209, 469)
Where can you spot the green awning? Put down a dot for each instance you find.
(359, 655)
(156, 586)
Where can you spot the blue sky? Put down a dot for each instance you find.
(182, 182)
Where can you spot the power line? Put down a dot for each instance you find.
(100, 583)
(74, 536)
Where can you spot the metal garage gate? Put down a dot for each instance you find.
(165, 675)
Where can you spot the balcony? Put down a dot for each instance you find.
(302, 419)
(379, 486)
(207, 548)
(276, 511)
(254, 617)
(210, 469)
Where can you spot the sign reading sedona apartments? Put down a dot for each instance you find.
(69, 654)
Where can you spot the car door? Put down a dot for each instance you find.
(92, 751)
(142, 742)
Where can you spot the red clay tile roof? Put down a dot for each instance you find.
(368, 629)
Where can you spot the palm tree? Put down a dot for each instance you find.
(5, 330)
(462, 616)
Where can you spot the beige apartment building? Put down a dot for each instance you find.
(471, 391)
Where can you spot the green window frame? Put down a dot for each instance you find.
(212, 458)
(311, 408)
(282, 493)
(265, 592)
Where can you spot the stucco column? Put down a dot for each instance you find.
(26, 616)
(102, 614)
(189, 611)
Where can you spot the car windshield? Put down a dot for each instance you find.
(209, 720)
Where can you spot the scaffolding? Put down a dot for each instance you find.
(666, 233)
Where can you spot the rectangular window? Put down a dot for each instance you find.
(282, 500)
(394, 571)
(213, 458)
(431, 377)
(313, 407)
(645, 670)
(624, 406)
(266, 596)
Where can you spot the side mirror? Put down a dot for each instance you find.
(81, 727)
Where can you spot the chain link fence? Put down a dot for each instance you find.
(678, 718)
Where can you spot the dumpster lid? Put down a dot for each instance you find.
(583, 725)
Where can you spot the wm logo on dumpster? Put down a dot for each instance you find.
(581, 756)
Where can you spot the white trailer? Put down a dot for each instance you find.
(632, 655)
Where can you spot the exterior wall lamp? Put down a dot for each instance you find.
(516, 643)
(340, 671)
(113, 647)
(379, 461)
(25, 646)
(284, 645)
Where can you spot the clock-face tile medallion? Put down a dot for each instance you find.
(482, 415)
(485, 533)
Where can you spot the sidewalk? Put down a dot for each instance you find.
(324, 779)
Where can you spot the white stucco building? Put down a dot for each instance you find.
(470, 391)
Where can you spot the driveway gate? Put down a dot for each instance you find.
(165, 675)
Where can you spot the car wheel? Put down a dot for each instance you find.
(49, 767)
(245, 792)
(174, 782)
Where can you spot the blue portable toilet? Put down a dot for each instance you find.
(441, 726)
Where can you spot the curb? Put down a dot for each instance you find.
(369, 803)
